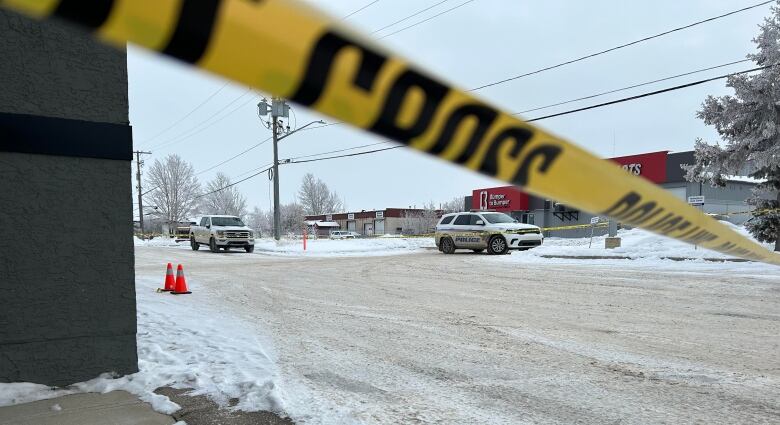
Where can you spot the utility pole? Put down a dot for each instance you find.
(277, 213)
(278, 109)
(138, 164)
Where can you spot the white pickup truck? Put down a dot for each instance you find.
(221, 231)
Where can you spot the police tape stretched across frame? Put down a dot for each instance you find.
(290, 50)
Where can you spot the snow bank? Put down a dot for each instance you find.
(635, 243)
(184, 344)
(344, 247)
(644, 249)
(159, 241)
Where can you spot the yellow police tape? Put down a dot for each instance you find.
(290, 50)
(754, 213)
(575, 226)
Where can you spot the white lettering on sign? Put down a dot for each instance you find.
(635, 169)
(498, 200)
(696, 200)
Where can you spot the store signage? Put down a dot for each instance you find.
(696, 200)
(380, 214)
(651, 166)
(635, 169)
(351, 216)
(507, 198)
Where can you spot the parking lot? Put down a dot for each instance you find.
(425, 337)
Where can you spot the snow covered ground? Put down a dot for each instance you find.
(203, 341)
(159, 241)
(343, 247)
(636, 244)
(473, 338)
(183, 342)
(322, 247)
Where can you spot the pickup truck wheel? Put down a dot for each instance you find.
(213, 245)
(497, 245)
(194, 245)
(447, 246)
(249, 248)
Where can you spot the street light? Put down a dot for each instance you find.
(299, 129)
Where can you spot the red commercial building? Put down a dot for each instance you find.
(662, 168)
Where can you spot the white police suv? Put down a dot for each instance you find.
(485, 230)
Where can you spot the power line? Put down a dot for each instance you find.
(233, 184)
(408, 17)
(341, 156)
(340, 150)
(323, 126)
(204, 124)
(296, 160)
(233, 157)
(186, 115)
(289, 161)
(630, 87)
(653, 93)
(641, 40)
(360, 9)
(255, 169)
(428, 19)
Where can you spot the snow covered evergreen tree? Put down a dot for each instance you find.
(749, 124)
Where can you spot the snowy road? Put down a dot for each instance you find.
(429, 338)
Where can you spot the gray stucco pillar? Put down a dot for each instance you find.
(67, 295)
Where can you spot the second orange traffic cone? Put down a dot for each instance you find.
(170, 283)
(181, 283)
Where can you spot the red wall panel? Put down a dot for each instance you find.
(504, 199)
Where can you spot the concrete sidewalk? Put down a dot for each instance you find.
(114, 408)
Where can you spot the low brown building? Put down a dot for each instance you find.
(390, 221)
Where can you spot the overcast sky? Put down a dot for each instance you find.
(478, 43)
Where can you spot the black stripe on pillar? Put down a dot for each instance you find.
(193, 30)
(65, 137)
(89, 13)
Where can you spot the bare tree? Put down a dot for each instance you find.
(316, 198)
(430, 216)
(457, 204)
(224, 199)
(411, 222)
(261, 221)
(416, 222)
(175, 188)
(292, 216)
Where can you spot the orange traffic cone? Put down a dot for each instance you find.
(170, 283)
(181, 283)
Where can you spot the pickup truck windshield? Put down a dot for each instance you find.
(226, 221)
(498, 218)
